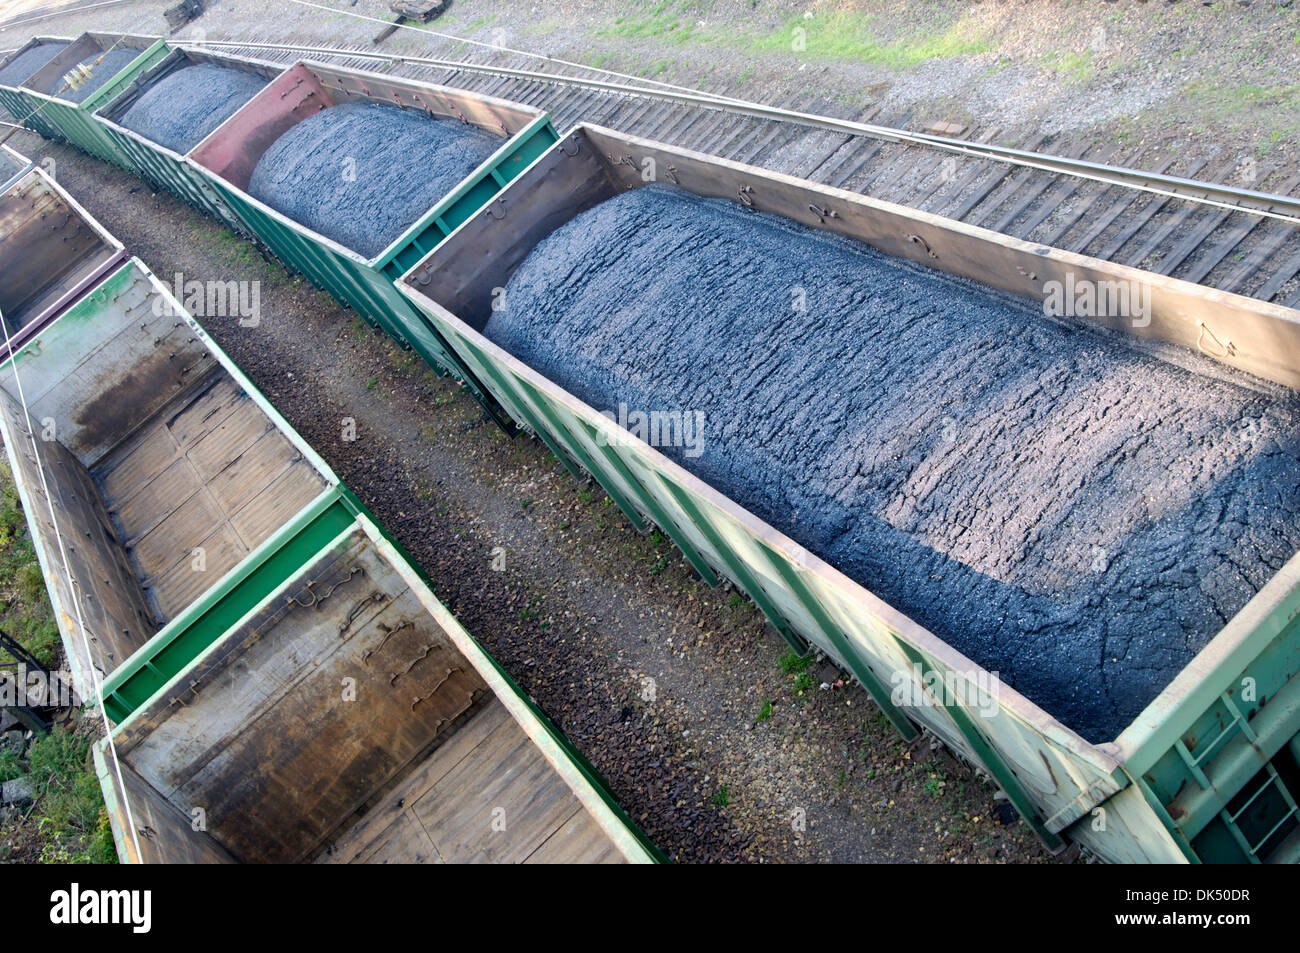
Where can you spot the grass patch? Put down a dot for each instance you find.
(1076, 67)
(25, 612)
(1248, 105)
(67, 822)
(791, 662)
(850, 35)
(669, 21)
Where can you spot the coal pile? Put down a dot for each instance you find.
(362, 173)
(181, 109)
(102, 71)
(29, 62)
(1063, 508)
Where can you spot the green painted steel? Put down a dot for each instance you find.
(25, 110)
(186, 637)
(168, 170)
(75, 122)
(367, 285)
(988, 755)
(844, 650)
(1222, 772)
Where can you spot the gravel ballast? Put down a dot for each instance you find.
(113, 63)
(362, 173)
(24, 65)
(185, 106)
(1070, 512)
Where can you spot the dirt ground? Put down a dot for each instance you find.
(716, 744)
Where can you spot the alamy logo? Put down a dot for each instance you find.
(31, 688)
(975, 691)
(658, 428)
(1085, 298)
(215, 299)
(76, 906)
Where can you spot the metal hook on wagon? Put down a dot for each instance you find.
(918, 240)
(499, 204)
(1229, 349)
(746, 194)
(571, 141)
(388, 634)
(823, 213)
(373, 598)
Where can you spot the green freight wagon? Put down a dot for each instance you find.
(58, 118)
(271, 661)
(1208, 771)
(156, 163)
(12, 76)
(230, 154)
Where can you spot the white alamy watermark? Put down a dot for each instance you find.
(77, 906)
(25, 687)
(658, 428)
(975, 690)
(1088, 298)
(215, 299)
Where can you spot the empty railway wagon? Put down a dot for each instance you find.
(282, 683)
(1007, 477)
(51, 251)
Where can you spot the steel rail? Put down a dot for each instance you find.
(1232, 198)
(57, 11)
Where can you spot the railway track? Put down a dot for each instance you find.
(1205, 216)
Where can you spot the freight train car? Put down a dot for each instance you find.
(643, 273)
(20, 65)
(51, 251)
(351, 177)
(283, 684)
(59, 100)
(183, 99)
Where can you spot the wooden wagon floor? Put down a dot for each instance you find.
(444, 811)
(197, 488)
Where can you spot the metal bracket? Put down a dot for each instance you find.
(918, 240)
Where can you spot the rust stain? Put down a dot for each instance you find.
(115, 410)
